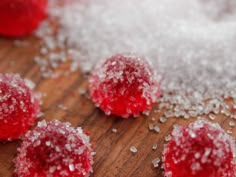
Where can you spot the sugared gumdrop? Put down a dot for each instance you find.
(19, 106)
(21, 17)
(124, 85)
(201, 149)
(54, 149)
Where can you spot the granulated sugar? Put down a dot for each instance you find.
(192, 45)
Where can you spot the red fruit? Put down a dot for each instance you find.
(54, 149)
(201, 149)
(21, 17)
(124, 85)
(19, 106)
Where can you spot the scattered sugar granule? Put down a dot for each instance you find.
(155, 162)
(156, 129)
(154, 147)
(133, 149)
(54, 149)
(153, 118)
(162, 119)
(124, 85)
(151, 126)
(62, 107)
(168, 138)
(19, 106)
(232, 124)
(114, 130)
(20, 18)
(82, 91)
(199, 149)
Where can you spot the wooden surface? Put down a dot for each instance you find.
(113, 158)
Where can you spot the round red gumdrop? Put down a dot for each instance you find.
(21, 17)
(19, 106)
(201, 149)
(124, 85)
(54, 149)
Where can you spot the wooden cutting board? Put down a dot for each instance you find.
(113, 158)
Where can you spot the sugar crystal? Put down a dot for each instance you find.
(156, 162)
(232, 124)
(133, 149)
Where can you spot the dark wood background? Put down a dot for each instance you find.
(113, 158)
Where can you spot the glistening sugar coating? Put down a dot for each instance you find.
(54, 149)
(19, 106)
(200, 149)
(124, 85)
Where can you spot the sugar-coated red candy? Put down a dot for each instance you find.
(201, 149)
(124, 85)
(54, 149)
(19, 106)
(21, 17)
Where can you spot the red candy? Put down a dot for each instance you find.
(19, 106)
(54, 149)
(124, 85)
(201, 149)
(21, 17)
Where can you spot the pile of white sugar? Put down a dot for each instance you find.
(191, 44)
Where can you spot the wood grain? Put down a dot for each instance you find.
(113, 158)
